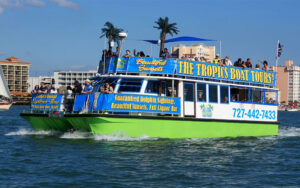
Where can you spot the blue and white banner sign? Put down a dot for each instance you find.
(138, 103)
(49, 102)
(208, 70)
(151, 65)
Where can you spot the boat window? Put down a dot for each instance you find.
(152, 86)
(201, 92)
(239, 94)
(257, 95)
(130, 85)
(224, 94)
(189, 92)
(213, 93)
(271, 97)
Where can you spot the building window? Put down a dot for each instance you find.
(201, 92)
(213, 93)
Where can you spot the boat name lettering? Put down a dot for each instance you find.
(201, 69)
(153, 62)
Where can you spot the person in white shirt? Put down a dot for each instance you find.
(53, 84)
(53, 90)
(227, 61)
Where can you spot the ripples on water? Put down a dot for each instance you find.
(79, 159)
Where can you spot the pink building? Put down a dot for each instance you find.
(288, 81)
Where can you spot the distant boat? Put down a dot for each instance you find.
(291, 110)
(5, 97)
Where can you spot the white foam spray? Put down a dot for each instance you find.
(24, 132)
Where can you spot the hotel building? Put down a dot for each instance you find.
(67, 78)
(197, 50)
(16, 74)
(288, 82)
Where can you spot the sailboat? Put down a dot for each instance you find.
(5, 97)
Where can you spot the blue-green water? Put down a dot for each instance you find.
(52, 159)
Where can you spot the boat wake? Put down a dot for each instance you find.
(289, 132)
(118, 136)
(24, 132)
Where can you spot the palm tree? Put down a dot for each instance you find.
(166, 28)
(111, 33)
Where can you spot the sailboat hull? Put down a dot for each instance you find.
(4, 106)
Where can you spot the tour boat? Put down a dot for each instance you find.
(166, 98)
(5, 97)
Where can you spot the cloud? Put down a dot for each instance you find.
(10, 4)
(4, 4)
(36, 3)
(65, 4)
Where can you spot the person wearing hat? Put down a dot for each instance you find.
(87, 87)
(217, 59)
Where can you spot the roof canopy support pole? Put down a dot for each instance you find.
(220, 48)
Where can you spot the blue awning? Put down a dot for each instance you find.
(185, 39)
(181, 39)
(152, 41)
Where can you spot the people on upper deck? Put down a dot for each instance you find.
(54, 85)
(165, 54)
(202, 59)
(238, 63)
(70, 99)
(87, 87)
(217, 59)
(265, 65)
(77, 88)
(36, 89)
(104, 55)
(128, 54)
(110, 52)
(244, 64)
(117, 52)
(227, 61)
(53, 90)
(257, 66)
(43, 88)
(248, 63)
(108, 88)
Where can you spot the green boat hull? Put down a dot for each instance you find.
(153, 127)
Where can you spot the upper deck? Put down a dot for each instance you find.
(186, 68)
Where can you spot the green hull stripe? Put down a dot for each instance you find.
(135, 127)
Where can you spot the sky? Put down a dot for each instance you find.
(64, 34)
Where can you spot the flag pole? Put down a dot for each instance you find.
(276, 63)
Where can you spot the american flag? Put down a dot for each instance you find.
(279, 50)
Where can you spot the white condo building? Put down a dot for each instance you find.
(67, 78)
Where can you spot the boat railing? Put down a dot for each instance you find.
(186, 69)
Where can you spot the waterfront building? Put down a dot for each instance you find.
(67, 78)
(197, 50)
(33, 81)
(288, 82)
(16, 74)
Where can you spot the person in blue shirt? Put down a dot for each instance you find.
(128, 54)
(87, 87)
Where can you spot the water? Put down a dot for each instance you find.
(52, 159)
